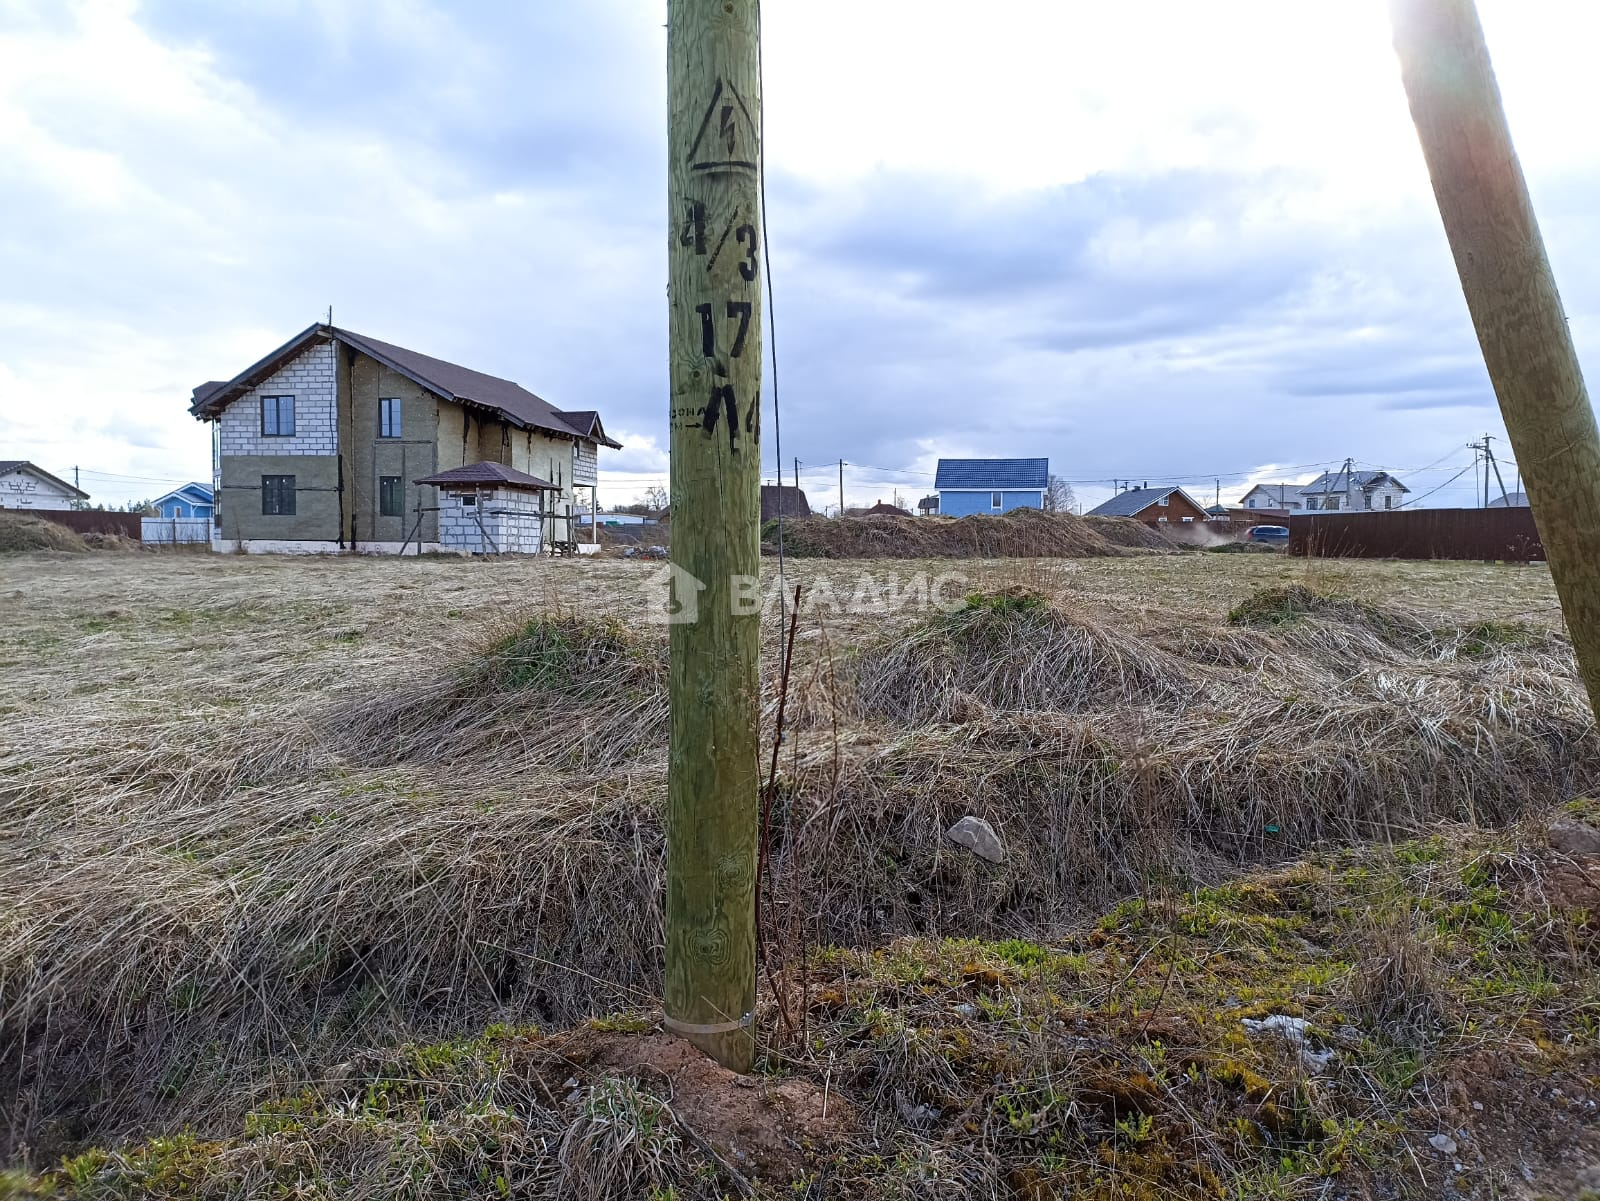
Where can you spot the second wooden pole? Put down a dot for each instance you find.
(1511, 294)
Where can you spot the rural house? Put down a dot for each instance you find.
(1153, 506)
(190, 501)
(1346, 489)
(967, 486)
(24, 486)
(1285, 498)
(336, 441)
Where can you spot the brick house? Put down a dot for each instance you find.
(1153, 506)
(323, 445)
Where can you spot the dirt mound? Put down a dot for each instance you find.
(1126, 532)
(1020, 534)
(20, 533)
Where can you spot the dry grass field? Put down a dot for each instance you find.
(336, 877)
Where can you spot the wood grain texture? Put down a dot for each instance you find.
(1511, 294)
(715, 261)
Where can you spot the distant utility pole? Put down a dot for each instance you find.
(1511, 294)
(841, 487)
(715, 260)
(797, 475)
(1489, 462)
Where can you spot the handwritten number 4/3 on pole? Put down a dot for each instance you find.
(694, 234)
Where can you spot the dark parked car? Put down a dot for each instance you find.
(1269, 533)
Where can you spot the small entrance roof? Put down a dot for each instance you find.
(488, 475)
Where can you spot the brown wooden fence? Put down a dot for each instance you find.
(1485, 534)
(92, 521)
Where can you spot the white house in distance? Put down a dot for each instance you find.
(1274, 496)
(1377, 491)
(24, 486)
(1360, 490)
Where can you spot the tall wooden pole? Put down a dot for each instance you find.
(1511, 294)
(715, 259)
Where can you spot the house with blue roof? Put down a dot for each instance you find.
(191, 500)
(967, 486)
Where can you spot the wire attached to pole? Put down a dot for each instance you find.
(772, 320)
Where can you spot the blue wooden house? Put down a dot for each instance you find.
(191, 500)
(967, 486)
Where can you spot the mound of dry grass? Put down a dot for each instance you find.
(1019, 534)
(1012, 650)
(20, 532)
(562, 691)
(199, 908)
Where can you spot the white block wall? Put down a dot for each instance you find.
(510, 517)
(309, 378)
(584, 463)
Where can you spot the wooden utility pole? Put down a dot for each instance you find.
(715, 259)
(1511, 294)
(841, 487)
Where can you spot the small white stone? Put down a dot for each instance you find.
(1443, 1144)
(978, 836)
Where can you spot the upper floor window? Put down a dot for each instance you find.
(389, 417)
(1163, 501)
(277, 416)
(997, 500)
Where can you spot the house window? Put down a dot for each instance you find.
(1311, 504)
(1188, 519)
(997, 501)
(1163, 501)
(1368, 498)
(469, 501)
(389, 417)
(277, 496)
(1333, 503)
(1161, 521)
(391, 496)
(277, 417)
(1388, 502)
(1252, 502)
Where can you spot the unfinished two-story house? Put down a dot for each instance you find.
(339, 442)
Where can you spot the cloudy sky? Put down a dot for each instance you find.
(1153, 239)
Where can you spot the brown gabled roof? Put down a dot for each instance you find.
(888, 510)
(488, 475)
(7, 466)
(587, 422)
(449, 381)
